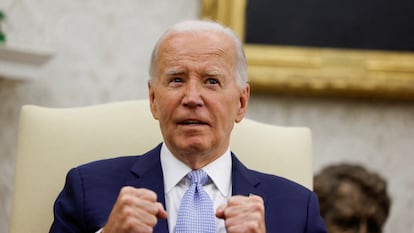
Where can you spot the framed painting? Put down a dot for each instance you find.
(319, 49)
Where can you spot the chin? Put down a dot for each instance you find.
(192, 147)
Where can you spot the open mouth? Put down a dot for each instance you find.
(191, 122)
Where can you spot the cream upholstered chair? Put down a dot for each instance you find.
(53, 140)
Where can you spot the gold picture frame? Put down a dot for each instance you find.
(312, 71)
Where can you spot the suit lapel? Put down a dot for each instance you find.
(244, 181)
(147, 172)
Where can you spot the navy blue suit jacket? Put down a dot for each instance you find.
(91, 190)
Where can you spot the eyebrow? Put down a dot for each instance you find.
(180, 71)
(174, 71)
(213, 73)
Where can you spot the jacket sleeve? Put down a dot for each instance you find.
(315, 222)
(68, 208)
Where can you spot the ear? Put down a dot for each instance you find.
(153, 100)
(243, 103)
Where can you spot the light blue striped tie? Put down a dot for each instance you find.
(196, 212)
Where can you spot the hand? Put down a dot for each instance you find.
(243, 214)
(135, 211)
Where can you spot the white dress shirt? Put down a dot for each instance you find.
(219, 187)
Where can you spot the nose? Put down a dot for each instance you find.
(192, 94)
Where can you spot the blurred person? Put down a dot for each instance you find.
(352, 199)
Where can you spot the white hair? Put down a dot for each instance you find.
(204, 26)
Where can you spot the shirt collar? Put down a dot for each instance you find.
(174, 170)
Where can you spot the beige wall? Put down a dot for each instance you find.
(102, 50)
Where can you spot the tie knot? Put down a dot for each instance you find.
(198, 177)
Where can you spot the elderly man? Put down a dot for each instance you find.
(191, 182)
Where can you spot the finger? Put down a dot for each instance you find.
(242, 206)
(161, 211)
(237, 200)
(145, 194)
(244, 221)
(220, 211)
(241, 200)
(256, 198)
(139, 204)
(139, 198)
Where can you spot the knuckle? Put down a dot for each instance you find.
(251, 226)
(129, 225)
(126, 200)
(125, 191)
(128, 213)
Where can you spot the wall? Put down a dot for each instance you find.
(102, 50)
(377, 134)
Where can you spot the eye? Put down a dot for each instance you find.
(212, 81)
(176, 80)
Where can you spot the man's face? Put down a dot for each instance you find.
(196, 97)
(353, 212)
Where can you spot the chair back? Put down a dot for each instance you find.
(53, 140)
